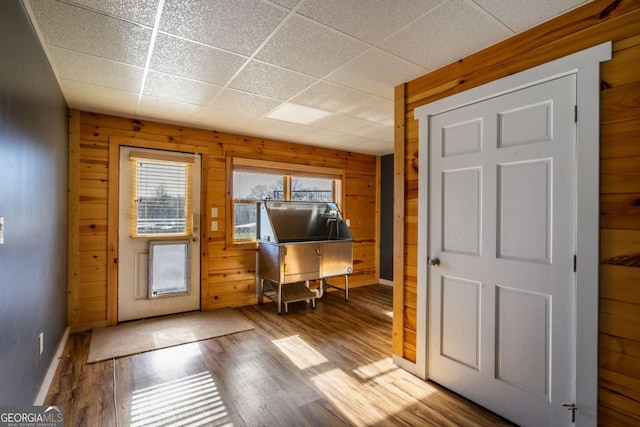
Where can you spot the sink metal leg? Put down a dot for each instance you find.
(261, 291)
(346, 288)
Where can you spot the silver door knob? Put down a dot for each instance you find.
(433, 261)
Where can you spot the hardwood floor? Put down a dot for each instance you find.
(325, 367)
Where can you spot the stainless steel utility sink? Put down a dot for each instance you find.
(299, 242)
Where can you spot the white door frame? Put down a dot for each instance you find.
(586, 66)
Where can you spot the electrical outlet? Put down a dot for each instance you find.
(214, 225)
(41, 342)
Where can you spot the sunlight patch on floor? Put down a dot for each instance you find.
(375, 369)
(368, 395)
(190, 401)
(404, 385)
(346, 394)
(299, 352)
(381, 390)
(174, 357)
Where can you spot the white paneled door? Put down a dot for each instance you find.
(502, 226)
(158, 233)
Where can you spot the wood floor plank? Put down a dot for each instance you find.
(328, 366)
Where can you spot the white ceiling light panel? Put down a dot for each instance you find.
(300, 114)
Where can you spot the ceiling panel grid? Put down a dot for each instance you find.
(318, 72)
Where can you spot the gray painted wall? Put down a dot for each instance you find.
(33, 202)
(386, 217)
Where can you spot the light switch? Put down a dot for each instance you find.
(1, 230)
(214, 212)
(348, 221)
(214, 225)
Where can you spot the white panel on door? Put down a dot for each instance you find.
(462, 138)
(461, 211)
(460, 320)
(141, 272)
(523, 341)
(526, 125)
(524, 211)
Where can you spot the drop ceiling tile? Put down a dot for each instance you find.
(226, 121)
(244, 103)
(367, 20)
(355, 140)
(375, 131)
(449, 32)
(330, 97)
(330, 138)
(289, 4)
(139, 11)
(522, 14)
(340, 123)
(76, 28)
(377, 72)
(310, 48)
(158, 109)
(178, 89)
(194, 61)
(374, 148)
(358, 144)
(281, 129)
(98, 99)
(236, 25)
(374, 109)
(268, 80)
(80, 67)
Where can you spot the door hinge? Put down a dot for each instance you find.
(575, 114)
(575, 263)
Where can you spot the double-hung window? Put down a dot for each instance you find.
(256, 180)
(249, 187)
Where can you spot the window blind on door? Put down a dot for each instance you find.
(161, 202)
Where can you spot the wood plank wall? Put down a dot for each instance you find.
(589, 25)
(228, 270)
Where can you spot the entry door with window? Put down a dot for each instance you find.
(502, 221)
(158, 233)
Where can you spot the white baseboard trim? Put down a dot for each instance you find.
(386, 282)
(53, 366)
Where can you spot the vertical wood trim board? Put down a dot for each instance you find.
(73, 226)
(112, 234)
(398, 223)
(594, 23)
(377, 218)
(205, 225)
